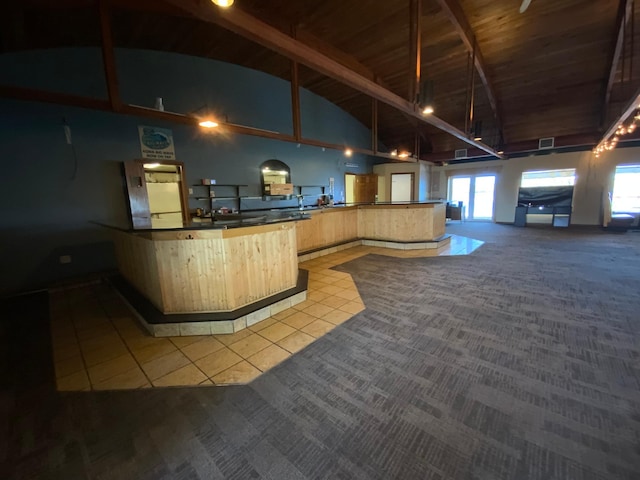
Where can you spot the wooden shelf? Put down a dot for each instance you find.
(237, 197)
(321, 187)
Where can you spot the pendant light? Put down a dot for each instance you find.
(426, 97)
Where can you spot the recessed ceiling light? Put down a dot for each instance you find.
(348, 152)
(223, 3)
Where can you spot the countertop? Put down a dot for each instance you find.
(258, 217)
(222, 222)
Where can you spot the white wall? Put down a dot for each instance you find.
(421, 176)
(594, 177)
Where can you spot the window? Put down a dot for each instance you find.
(549, 178)
(626, 189)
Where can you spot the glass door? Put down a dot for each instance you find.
(476, 194)
(460, 189)
(483, 198)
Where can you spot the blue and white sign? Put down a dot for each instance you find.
(156, 143)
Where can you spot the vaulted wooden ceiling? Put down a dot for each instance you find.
(547, 69)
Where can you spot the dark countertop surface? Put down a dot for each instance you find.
(252, 218)
(224, 221)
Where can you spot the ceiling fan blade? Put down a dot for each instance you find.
(525, 5)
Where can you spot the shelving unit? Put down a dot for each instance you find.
(212, 199)
(301, 187)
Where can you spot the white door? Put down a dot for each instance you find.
(350, 187)
(476, 194)
(460, 189)
(483, 197)
(401, 187)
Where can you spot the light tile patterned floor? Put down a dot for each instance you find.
(97, 344)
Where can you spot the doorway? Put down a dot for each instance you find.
(350, 187)
(402, 186)
(156, 193)
(360, 188)
(476, 192)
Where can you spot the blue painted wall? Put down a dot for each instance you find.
(52, 192)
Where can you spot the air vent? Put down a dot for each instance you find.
(462, 153)
(545, 143)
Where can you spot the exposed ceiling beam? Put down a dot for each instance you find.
(624, 15)
(567, 141)
(415, 49)
(351, 62)
(456, 15)
(243, 24)
(108, 57)
(632, 106)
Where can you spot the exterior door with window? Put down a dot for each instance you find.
(476, 192)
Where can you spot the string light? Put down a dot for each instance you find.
(622, 129)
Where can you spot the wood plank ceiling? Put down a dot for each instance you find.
(548, 66)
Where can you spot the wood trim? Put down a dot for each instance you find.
(295, 101)
(257, 31)
(454, 12)
(108, 57)
(374, 125)
(624, 14)
(631, 107)
(137, 194)
(32, 95)
(415, 49)
(20, 93)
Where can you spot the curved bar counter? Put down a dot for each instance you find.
(208, 270)
(244, 269)
(392, 225)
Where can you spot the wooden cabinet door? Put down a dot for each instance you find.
(136, 188)
(366, 188)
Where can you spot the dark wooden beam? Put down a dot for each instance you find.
(32, 95)
(456, 15)
(374, 125)
(415, 49)
(632, 106)
(108, 57)
(241, 23)
(624, 14)
(295, 101)
(27, 94)
(351, 62)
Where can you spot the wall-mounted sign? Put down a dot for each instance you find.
(352, 165)
(156, 143)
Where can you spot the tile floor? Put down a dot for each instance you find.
(98, 345)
